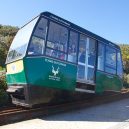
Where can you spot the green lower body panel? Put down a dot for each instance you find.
(17, 78)
(106, 82)
(46, 72)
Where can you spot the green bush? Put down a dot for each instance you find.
(3, 97)
(126, 80)
(3, 93)
(1, 68)
(3, 84)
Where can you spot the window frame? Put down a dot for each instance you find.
(26, 44)
(116, 50)
(77, 45)
(46, 47)
(103, 44)
(38, 37)
(79, 32)
(46, 39)
(115, 68)
(67, 36)
(119, 51)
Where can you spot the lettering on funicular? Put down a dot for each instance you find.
(55, 62)
(55, 70)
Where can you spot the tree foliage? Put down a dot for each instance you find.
(125, 58)
(3, 94)
(8, 30)
(7, 34)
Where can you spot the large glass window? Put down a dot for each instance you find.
(90, 74)
(41, 28)
(57, 41)
(101, 55)
(81, 74)
(55, 54)
(91, 52)
(37, 43)
(110, 62)
(36, 46)
(82, 49)
(72, 51)
(19, 45)
(86, 59)
(57, 37)
(119, 64)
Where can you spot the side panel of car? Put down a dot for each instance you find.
(106, 82)
(47, 72)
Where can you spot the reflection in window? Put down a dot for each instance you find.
(40, 30)
(13, 54)
(119, 64)
(37, 43)
(110, 57)
(82, 49)
(57, 37)
(91, 52)
(36, 46)
(101, 48)
(55, 54)
(72, 51)
(81, 72)
(110, 63)
(90, 75)
(110, 70)
(19, 45)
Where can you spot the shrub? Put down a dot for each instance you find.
(126, 80)
(3, 93)
(3, 97)
(1, 68)
(3, 84)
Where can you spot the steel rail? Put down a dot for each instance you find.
(20, 114)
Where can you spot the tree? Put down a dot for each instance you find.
(125, 57)
(7, 34)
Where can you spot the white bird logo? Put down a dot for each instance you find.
(55, 72)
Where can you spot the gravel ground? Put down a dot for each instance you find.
(107, 116)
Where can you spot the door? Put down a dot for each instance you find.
(91, 56)
(86, 60)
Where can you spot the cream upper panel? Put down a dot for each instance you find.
(15, 67)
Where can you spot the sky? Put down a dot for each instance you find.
(106, 18)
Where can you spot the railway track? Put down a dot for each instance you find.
(15, 114)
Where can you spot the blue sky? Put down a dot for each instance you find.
(106, 18)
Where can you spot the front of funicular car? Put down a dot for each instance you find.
(37, 67)
(15, 75)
